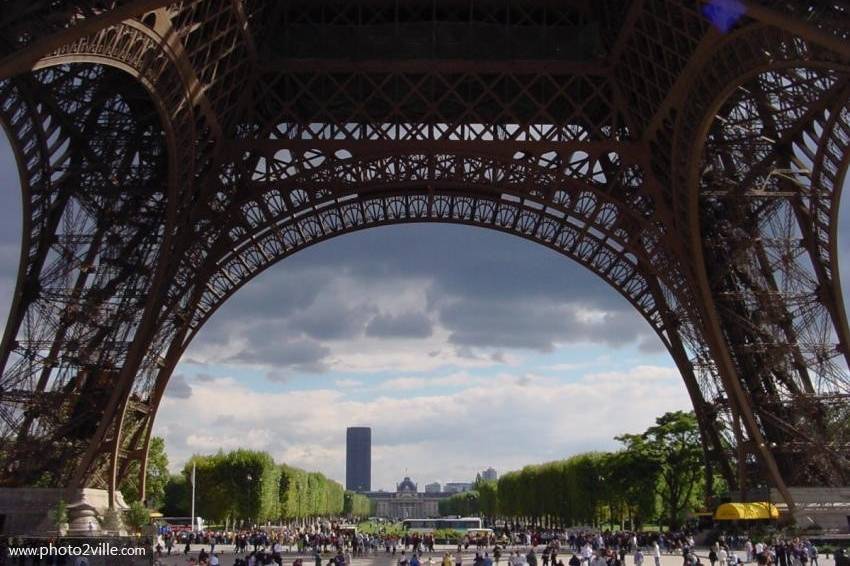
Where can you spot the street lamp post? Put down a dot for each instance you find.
(249, 478)
(193, 497)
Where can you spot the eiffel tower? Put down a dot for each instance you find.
(691, 153)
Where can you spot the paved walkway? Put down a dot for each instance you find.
(226, 557)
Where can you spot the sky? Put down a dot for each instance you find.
(461, 347)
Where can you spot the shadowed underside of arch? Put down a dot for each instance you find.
(170, 152)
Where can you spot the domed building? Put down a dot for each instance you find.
(406, 487)
(407, 502)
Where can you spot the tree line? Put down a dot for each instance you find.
(248, 486)
(656, 476)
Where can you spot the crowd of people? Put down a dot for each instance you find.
(794, 552)
(337, 545)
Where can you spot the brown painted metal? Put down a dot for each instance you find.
(695, 171)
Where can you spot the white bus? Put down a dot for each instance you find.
(461, 524)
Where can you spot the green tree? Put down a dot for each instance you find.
(177, 499)
(673, 446)
(466, 503)
(59, 514)
(291, 491)
(356, 505)
(157, 476)
(238, 485)
(631, 478)
(137, 516)
(488, 498)
(583, 489)
(309, 494)
(245, 485)
(508, 490)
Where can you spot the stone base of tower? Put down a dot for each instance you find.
(27, 511)
(824, 507)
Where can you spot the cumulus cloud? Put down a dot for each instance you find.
(178, 387)
(405, 325)
(332, 318)
(535, 324)
(412, 383)
(505, 421)
(426, 297)
(297, 354)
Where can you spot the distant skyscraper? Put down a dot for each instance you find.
(358, 458)
(432, 487)
(489, 475)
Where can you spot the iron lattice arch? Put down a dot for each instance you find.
(691, 156)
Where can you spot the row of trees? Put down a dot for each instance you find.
(246, 485)
(356, 505)
(482, 499)
(308, 494)
(656, 476)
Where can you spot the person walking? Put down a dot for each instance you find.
(587, 555)
(598, 559)
(722, 555)
(782, 558)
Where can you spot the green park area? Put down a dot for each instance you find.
(657, 478)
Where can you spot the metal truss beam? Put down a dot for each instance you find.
(170, 152)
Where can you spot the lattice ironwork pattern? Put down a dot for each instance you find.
(690, 153)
